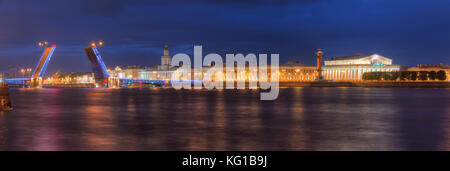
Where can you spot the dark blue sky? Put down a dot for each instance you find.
(408, 31)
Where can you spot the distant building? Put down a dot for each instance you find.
(70, 78)
(346, 68)
(19, 72)
(352, 68)
(296, 72)
(436, 68)
(161, 72)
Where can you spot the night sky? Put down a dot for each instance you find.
(408, 31)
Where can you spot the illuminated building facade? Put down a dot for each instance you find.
(296, 72)
(347, 68)
(352, 68)
(18, 72)
(162, 71)
(60, 78)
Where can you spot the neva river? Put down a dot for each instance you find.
(166, 119)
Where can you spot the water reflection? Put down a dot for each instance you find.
(165, 119)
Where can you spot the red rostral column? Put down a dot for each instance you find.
(319, 64)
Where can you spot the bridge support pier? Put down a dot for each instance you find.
(5, 101)
(36, 83)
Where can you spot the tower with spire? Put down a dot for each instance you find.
(166, 60)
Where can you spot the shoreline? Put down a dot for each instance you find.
(402, 84)
(368, 84)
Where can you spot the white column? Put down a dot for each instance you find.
(358, 72)
(351, 74)
(344, 75)
(338, 76)
(347, 74)
(361, 73)
(332, 74)
(328, 74)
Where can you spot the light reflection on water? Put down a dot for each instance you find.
(165, 119)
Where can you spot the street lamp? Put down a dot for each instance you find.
(94, 44)
(43, 44)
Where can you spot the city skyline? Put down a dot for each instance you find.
(135, 32)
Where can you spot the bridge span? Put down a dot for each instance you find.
(99, 69)
(101, 75)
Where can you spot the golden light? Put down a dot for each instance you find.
(93, 44)
(100, 43)
(46, 43)
(22, 70)
(40, 44)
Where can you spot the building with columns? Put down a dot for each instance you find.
(346, 68)
(352, 68)
(296, 72)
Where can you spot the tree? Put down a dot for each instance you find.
(385, 76)
(423, 75)
(388, 76)
(378, 76)
(441, 75)
(372, 76)
(368, 76)
(405, 75)
(432, 75)
(413, 75)
(395, 76)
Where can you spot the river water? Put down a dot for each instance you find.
(166, 119)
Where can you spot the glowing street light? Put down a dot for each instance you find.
(94, 44)
(44, 44)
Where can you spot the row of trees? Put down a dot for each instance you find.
(406, 75)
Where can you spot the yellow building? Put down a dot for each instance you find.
(296, 72)
(352, 68)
